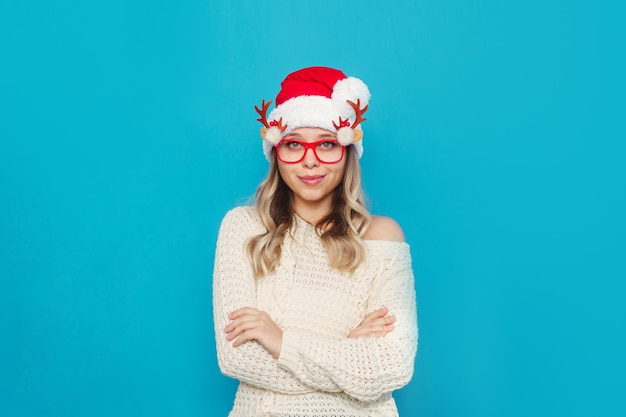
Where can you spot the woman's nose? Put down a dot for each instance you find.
(310, 160)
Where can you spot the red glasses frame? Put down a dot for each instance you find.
(307, 146)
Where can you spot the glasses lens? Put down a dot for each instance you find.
(290, 151)
(328, 152)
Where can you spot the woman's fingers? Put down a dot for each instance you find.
(379, 327)
(376, 314)
(242, 311)
(252, 324)
(241, 325)
(245, 336)
(375, 324)
(246, 319)
(371, 332)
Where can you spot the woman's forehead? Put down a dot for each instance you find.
(311, 133)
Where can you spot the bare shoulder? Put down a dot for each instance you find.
(384, 228)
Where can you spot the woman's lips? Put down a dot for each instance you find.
(312, 179)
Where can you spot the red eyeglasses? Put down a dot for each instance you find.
(326, 151)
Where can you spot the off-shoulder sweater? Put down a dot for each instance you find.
(320, 371)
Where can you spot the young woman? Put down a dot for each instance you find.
(313, 298)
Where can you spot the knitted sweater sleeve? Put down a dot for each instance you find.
(234, 288)
(364, 368)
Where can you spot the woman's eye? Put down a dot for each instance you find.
(329, 145)
(293, 145)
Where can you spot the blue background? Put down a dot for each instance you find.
(495, 136)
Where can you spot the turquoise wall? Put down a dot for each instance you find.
(495, 136)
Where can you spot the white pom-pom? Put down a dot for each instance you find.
(273, 135)
(352, 89)
(345, 136)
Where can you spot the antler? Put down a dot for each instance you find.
(263, 119)
(263, 113)
(342, 123)
(279, 124)
(359, 112)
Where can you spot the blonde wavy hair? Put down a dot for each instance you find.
(340, 230)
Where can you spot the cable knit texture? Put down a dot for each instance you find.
(320, 372)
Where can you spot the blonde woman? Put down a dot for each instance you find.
(313, 297)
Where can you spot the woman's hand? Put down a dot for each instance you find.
(251, 324)
(375, 324)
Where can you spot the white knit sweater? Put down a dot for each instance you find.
(320, 372)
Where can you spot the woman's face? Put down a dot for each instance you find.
(311, 181)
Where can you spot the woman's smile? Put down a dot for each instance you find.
(312, 180)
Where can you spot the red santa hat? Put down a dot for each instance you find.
(316, 97)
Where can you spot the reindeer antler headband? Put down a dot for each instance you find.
(316, 97)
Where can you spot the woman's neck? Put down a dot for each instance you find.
(311, 212)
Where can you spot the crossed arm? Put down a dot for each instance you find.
(251, 324)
